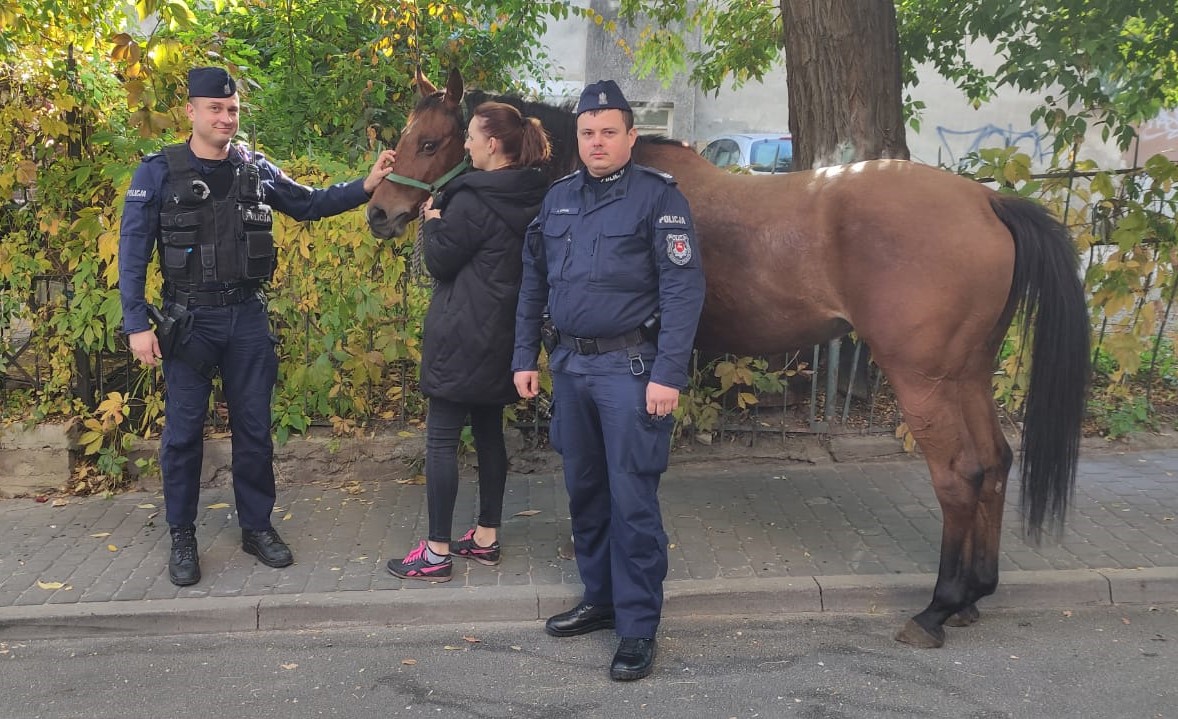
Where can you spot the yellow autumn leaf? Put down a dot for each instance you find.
(50, 585)
(218, 505)
(287, 516)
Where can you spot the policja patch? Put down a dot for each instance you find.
(679, 249)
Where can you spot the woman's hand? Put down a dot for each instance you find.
(427, 210)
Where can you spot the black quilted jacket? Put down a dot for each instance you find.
(474, 251)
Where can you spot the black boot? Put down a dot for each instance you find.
(267, 546)
(183, 564)
(581, 619)
(633, 660)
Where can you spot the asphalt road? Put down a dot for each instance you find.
(1115, 662)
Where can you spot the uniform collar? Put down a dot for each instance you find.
(236, 156)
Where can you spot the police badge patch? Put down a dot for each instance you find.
(679, 249)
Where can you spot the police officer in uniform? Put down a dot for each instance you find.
(612, 257)
(205, 206)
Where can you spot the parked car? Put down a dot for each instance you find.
(762, 153)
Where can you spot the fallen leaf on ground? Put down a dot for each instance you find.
(112, 548)
(415, 479)
(451, 649)
(287, 516)
(527, 513)
(59, 503)
(292, 665)
(1125, 620)
(100, 535)
(145, 506)
(1067, 612)
(41, 498)
(517, 647)
(218, 505)
(50, 585)
(408, 662)
(472, 640)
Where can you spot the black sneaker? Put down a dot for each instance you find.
(183, 564)
(267, 546)
(469, 549)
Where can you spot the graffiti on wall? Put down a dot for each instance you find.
(956, 144)
(1158, 136)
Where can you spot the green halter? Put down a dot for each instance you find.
(431, 188)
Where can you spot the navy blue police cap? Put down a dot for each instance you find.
(602, 95)
(210, 82)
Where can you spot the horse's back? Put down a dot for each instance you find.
(887, 247)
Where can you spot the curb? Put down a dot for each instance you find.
(852, 594)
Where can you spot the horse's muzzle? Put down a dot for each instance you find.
(383, 226)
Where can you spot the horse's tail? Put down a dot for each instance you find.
(1048, 289)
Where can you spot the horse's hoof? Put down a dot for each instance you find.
(965, 617)
(915, 635)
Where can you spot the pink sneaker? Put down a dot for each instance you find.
(416, 565)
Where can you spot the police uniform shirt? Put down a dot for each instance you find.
(139, 232)
(603, 261)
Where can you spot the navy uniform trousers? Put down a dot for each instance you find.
(237, 338)
(614, 454)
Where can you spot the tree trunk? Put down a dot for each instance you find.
(842, 64)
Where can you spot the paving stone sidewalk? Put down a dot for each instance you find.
(726, 521)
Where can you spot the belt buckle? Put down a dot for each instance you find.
(585, 345)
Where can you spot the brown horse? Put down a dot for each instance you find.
(929, 268)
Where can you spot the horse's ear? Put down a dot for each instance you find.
(454, 88)
(424, 86)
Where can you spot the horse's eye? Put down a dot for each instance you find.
(429, 147)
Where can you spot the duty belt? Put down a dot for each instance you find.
(212, 298)
(599, 345)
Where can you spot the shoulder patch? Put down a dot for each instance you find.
(679, 248)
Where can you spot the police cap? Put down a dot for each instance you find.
(210, 82)
(602, 95)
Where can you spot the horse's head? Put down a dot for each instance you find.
(430, 148)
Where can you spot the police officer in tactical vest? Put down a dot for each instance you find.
(206, 207)
(613, 259)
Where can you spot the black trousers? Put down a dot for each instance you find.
(443, 433)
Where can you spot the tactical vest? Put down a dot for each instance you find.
(208, 241)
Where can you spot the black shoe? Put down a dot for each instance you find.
(581, 619)
(267, 546)
(633, 660)
(183, 565)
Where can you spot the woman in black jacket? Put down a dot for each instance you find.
(473, 249)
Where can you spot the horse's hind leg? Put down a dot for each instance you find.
(956, 424)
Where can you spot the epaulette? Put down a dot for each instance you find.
(567, 177)
(666, 177)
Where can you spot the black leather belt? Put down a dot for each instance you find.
(212, 298)
(599, 345)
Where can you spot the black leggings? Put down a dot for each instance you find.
(443, 433)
